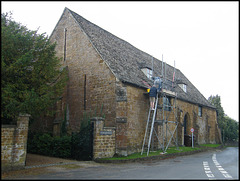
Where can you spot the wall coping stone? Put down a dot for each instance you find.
(8, 126)
(109, 128)
(97, 119)
(24, 115)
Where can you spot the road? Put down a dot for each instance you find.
(210, 165)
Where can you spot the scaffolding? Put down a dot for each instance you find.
(160, 119)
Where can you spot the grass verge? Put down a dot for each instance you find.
(170, 150)
(210, 145)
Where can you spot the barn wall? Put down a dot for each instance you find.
(91, 85)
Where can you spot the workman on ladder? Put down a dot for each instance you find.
(157, 86)
(152, 96)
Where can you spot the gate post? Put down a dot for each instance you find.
(103, 139)
(14, 144)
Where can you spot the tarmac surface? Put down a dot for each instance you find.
(38, 164)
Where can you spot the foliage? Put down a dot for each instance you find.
(82, 144)
(228, 126)
(216, 101)
(82, 141)
(62, 147)
(32, 77)
(76, 146)
(231, 130)
(39, 143)
(45, 144)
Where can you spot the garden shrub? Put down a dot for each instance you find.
(82, 144)
(61, 147)
(77, 146)
(45, 144)
(39, 143)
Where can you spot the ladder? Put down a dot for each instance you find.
(148, 131)
(164, 114)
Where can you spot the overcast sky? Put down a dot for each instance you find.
(202, 37)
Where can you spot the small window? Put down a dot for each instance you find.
(184, 87)
(65, 44)
(147, 72)
(167, 103)
(200, 111)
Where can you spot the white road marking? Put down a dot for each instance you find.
(224, 173)
(207, 170)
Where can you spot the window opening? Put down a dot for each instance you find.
(85, 100)
(200, 111)
(148, 72)
(65, 42)
(183, 87)
(185, 124)
(166, 103)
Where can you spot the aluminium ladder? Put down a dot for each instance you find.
(164, 120)
(151, 118)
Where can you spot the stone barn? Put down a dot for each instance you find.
(109, 75)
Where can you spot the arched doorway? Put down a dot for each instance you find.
(185, 120)
(186, 126)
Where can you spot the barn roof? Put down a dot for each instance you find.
(126, 61)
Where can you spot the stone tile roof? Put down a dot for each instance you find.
(126, 61)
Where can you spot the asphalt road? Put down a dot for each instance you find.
(210, 165)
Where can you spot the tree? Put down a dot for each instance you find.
(31, 74)
(216, 101)
(228, 126)
(231, 130)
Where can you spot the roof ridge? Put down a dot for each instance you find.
(76, 14)
(106, 31)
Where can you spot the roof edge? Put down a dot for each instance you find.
(58, 22)
(90, 40)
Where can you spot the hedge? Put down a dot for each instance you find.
(77, 146)
(45, 144)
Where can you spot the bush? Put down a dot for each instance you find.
(39, 143)
(82, 144)
(62, 147)
(78, 146)
(45, 144)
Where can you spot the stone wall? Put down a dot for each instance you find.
(14, 144)
(103, 139)
(205, 129)
(130, 129)
(91, 85)
(131, 115)
(138, 107)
